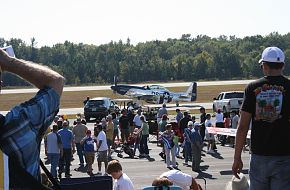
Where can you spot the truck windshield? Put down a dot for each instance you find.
(95, 103)
(234, 95)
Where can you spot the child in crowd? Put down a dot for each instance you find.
(116, 130)
(209, 136)
(169, 147)
(121, 180)
(89, 150)
(144, 151)
(187, 143)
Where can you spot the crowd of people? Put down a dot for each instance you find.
(185, 141)
(269, 167)
(191, 136)
(62, 140)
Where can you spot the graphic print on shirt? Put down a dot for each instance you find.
(268, 102)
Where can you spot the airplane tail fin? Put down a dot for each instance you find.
(191, 91)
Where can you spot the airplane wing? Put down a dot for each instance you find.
(139, 95)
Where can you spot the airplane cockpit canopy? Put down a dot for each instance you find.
(157, 87)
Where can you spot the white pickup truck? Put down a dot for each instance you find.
(228, 101)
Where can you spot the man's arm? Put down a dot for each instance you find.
(241, 135)
(99, 144)
(36, 74)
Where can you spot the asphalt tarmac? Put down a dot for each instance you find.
(216, 168)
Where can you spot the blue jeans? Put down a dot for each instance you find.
(80, 152)
(65, 161)
(54, 160)
(143, 145)
(187, 151)
(269, 172)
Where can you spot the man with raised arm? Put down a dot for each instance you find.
(22, 129)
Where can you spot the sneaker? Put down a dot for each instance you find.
(178, 156)
(161, 154)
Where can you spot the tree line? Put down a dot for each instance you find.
(187, 59)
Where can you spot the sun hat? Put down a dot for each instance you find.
(190, 123)
(238, 184)
(273, 55)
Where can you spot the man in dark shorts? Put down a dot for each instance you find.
(124, 126)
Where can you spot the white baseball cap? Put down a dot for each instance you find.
(273, 55)
(190, 123)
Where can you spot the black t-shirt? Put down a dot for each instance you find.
(202, 118)
(124, 122)
(268, 100)
(183, 123)
(131, 118)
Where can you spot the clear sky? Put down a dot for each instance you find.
(100, 21)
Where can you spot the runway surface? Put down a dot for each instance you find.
(89, 88)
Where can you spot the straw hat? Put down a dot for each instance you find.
(238, 184)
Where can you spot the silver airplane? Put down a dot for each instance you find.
(156, 94)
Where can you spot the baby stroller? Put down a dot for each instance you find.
(127, 148)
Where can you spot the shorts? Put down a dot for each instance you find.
(103, 156)
(90, 157)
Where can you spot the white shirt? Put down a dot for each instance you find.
(52, 145)
(137, 120)
(102, 137)
(123, 183)
(178, 178)
(219, 117)
(208, 123)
